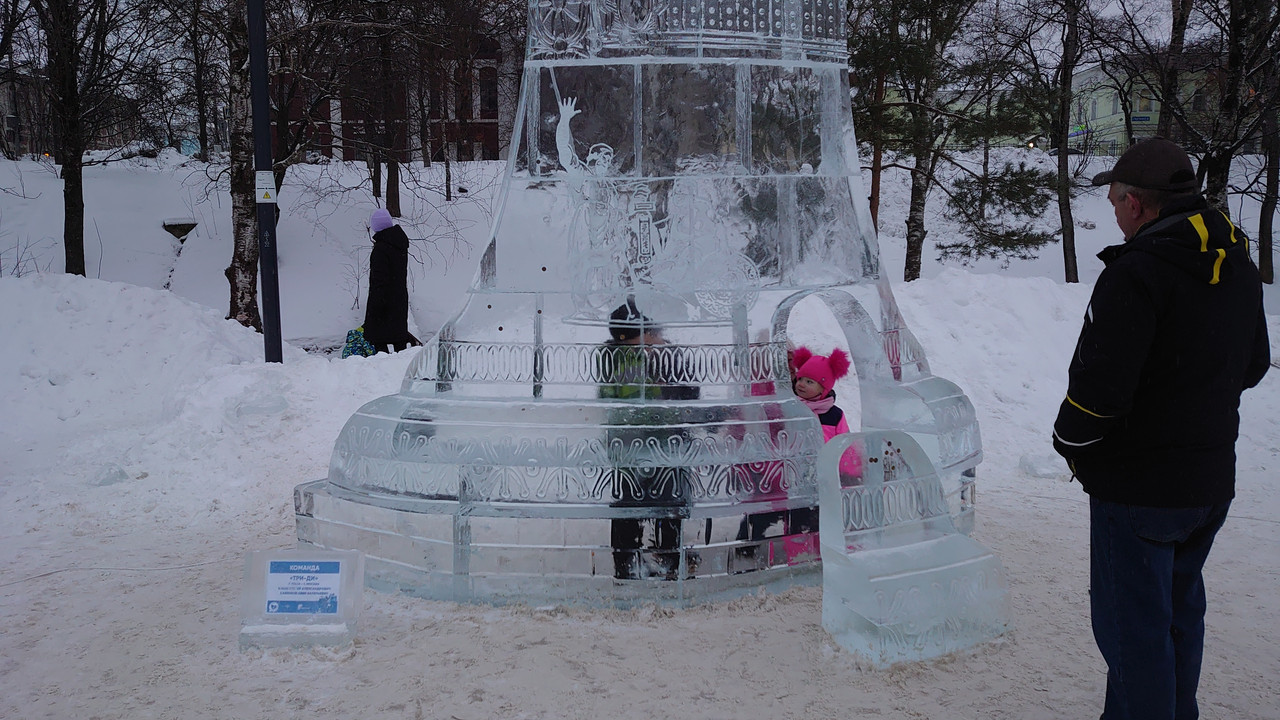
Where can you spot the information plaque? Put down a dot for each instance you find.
(301, 597)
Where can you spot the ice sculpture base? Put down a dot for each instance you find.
(419, 548)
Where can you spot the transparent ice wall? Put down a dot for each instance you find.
(696, 159)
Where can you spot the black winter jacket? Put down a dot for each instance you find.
(386, 314)
(1173, 334)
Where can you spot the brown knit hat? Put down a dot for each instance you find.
(1154, 164)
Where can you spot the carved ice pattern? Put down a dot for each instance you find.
(586, 364)
(902, 608)
(566, 29)
(897, 502)
(592, 470)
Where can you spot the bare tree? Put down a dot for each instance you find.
(870, 62)
(13, 16)
(1168, 72)
(1050, 38)
(96, 52)
(1064, 75)
(354, 52)
(242, 273)
(305, 43)
(1225, 56)
(197, 43)
(1269, 85)
(1245, 32)
(930, 92)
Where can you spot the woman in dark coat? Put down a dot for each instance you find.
(386, 313)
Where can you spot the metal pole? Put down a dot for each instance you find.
(264, 182)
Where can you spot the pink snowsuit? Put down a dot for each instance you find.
(834, 423)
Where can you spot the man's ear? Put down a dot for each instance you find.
(1133, 205)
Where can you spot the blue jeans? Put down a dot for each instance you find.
(1147, 600)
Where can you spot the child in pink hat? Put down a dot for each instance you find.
(816, 375)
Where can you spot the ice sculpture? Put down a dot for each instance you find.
(614, 398)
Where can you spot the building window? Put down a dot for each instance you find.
(436, 96)
(1145, 103)
(1093, 110)
(1115, 103)
(463, 78)
(489, 92)
(1197, 101)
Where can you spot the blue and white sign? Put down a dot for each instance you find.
(303, 587)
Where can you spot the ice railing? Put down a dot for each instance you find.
(559, 442)
(592, 364)
(900, 583)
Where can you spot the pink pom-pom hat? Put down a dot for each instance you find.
(823, 370)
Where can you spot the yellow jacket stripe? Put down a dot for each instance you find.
(1085, 409)
(1197, 222)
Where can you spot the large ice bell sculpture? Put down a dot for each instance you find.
(614, 398)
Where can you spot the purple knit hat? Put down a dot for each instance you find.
(380, 220)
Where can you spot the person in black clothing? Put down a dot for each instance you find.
(1173, 334)
(386, 314)
(642, 423)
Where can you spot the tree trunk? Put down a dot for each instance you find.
(448, 174)
(424, 129)
(1215, 165)
(60, 21)
(73, 210)
(1271, 190)
(242, 273)
(393, 188)
(198, 60)
(391, 133)
(915, 218)
(1214, 169)
(1271, 145)
(1070, 56)
(877, 150)
(1169, 85)
(984, 195)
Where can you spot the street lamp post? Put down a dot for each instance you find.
(264, 182)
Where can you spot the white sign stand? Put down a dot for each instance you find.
(301, 597)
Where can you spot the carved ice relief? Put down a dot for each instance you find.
(650, 238)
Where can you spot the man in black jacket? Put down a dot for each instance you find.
(1173, 334)
(386, 314)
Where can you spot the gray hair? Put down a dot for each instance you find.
(1155, 199)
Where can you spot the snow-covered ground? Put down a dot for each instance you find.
(145, 448)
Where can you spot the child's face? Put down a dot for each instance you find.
(808, 389)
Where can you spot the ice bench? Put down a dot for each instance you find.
(900, 583)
